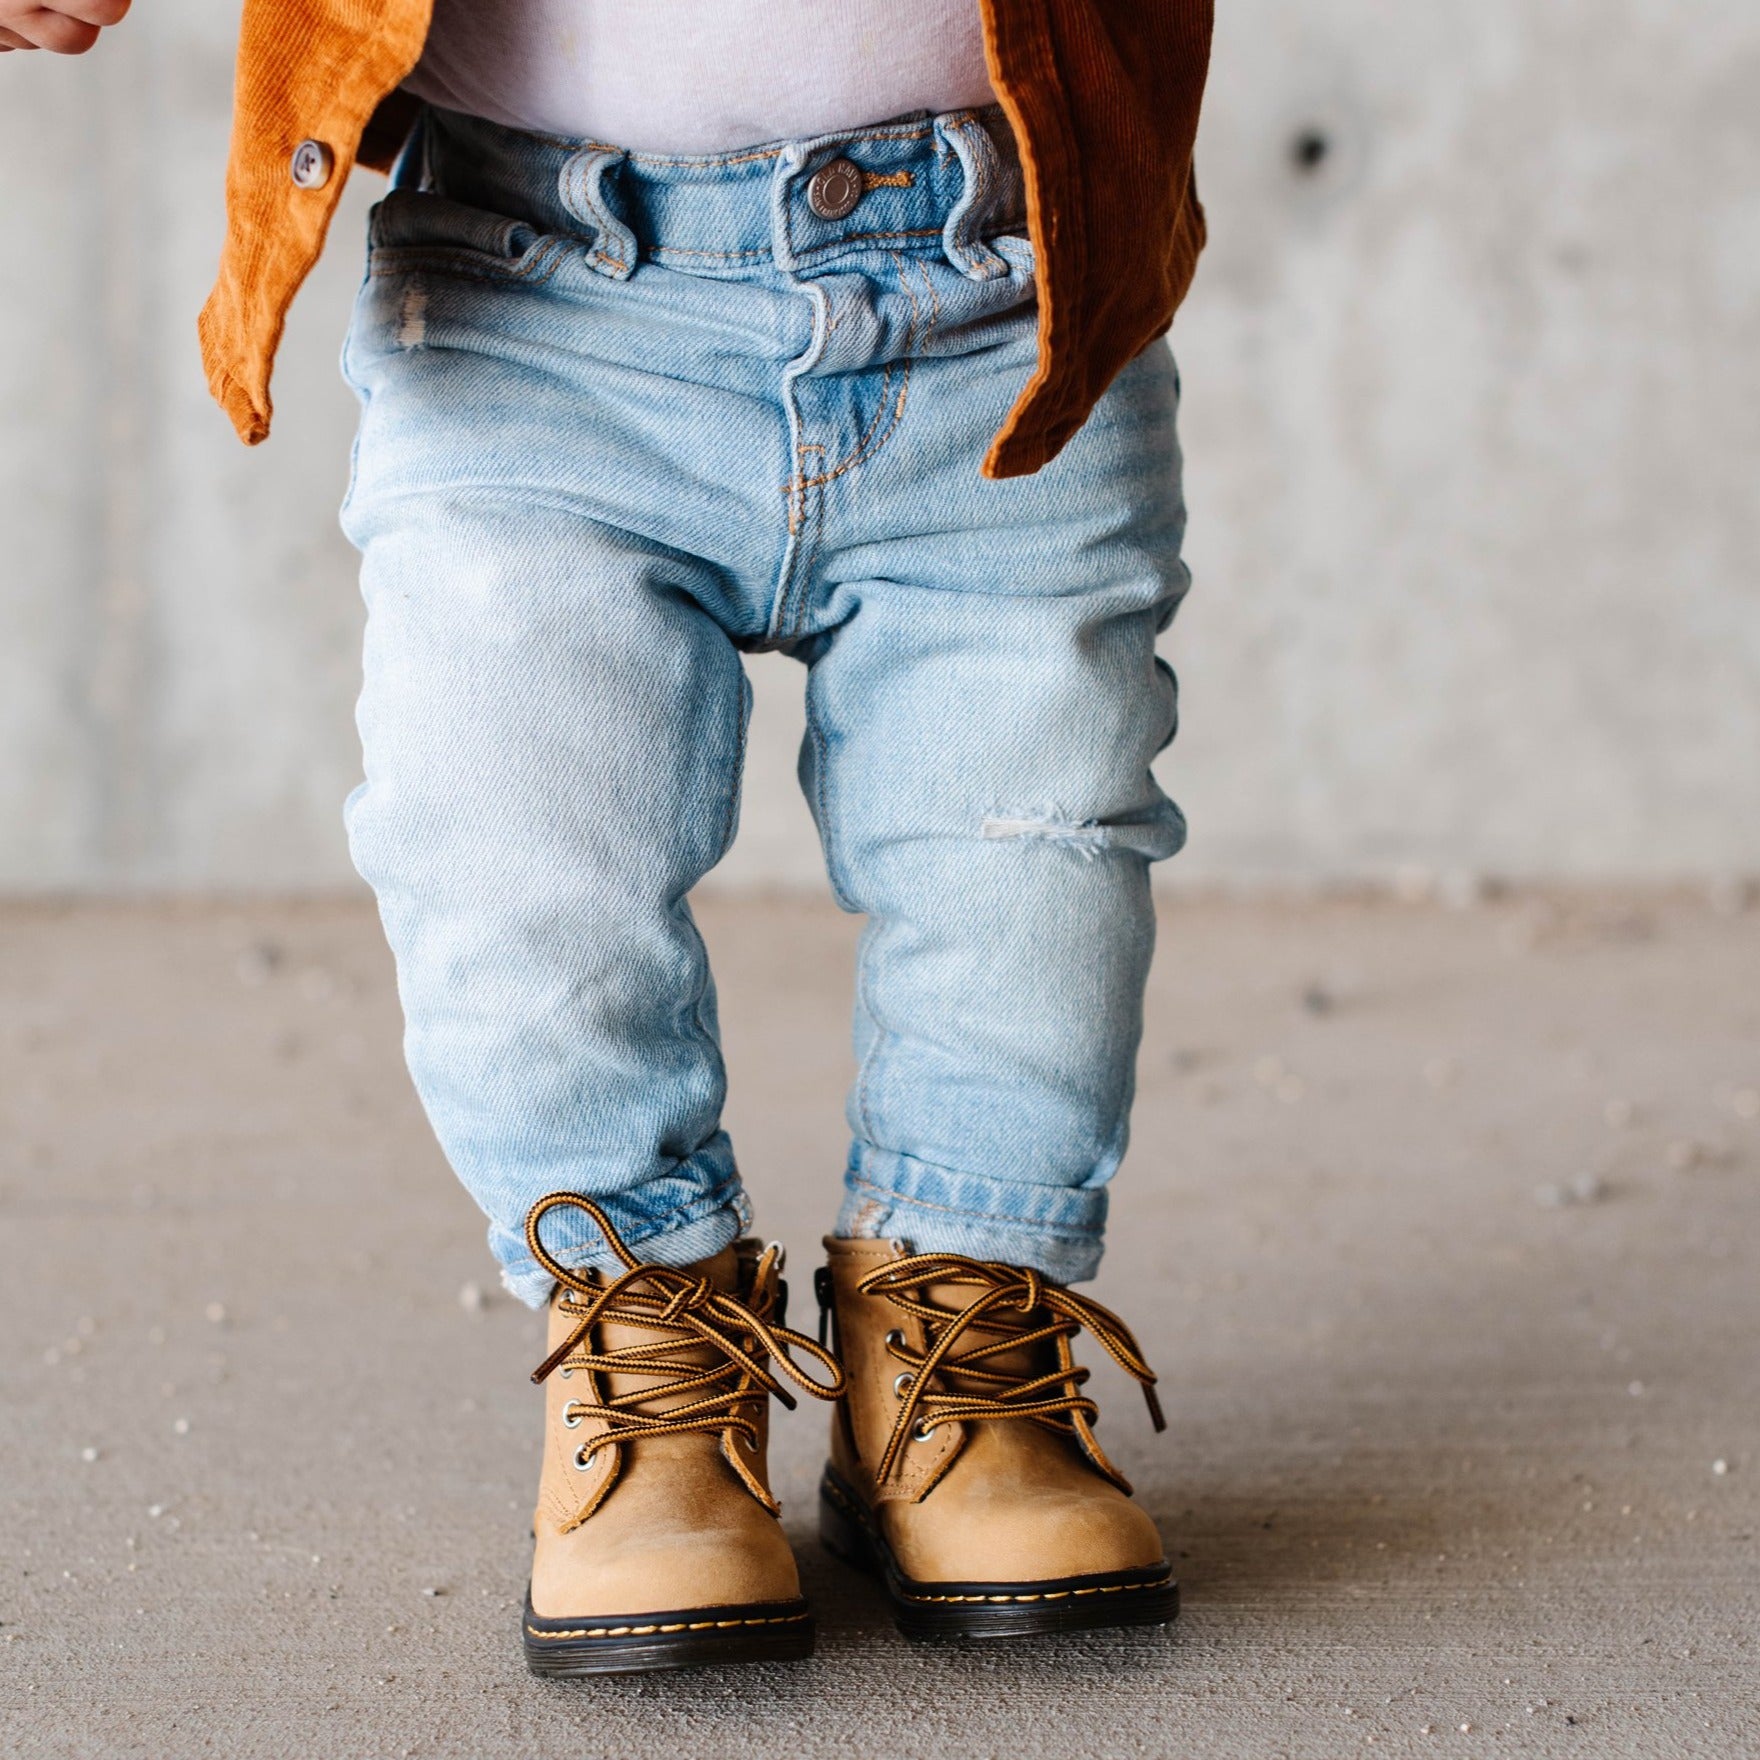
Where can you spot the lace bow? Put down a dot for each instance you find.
(1014, 1309)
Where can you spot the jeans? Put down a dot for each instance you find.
(625, 418)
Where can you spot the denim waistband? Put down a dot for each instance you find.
(928, 185)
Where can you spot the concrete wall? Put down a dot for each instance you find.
(1473, 416)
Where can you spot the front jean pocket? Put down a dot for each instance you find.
(417, 229)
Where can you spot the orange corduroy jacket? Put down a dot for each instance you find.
(1103, 96)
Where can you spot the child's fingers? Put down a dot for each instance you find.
(12, 40)
(102, 13)
(54, 31)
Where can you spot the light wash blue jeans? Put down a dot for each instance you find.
(626, 418)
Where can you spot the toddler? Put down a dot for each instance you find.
(691, 331)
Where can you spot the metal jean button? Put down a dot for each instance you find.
(311, 165)
(835, 189)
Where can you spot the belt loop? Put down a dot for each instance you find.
(789, 163)
(581, 185)
(962, 237)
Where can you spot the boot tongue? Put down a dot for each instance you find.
(723, 1272)
(1022, 1362)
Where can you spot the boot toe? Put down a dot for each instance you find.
(707, 1568)
(1022, 1538)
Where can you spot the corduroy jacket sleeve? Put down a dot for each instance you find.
(308, 70)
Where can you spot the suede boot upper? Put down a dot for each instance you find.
(936, 1351)
(654, 1493)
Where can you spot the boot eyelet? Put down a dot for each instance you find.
(894, 1339)
(901, 1384)
(922, 1433)
(565, 1373)
(578, 1409)
(583, 1458)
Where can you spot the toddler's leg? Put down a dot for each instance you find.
(553, 729)
(981, 727)
(978, 761)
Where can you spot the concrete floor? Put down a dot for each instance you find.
(1439, 1226)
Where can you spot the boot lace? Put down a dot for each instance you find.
(681, 1310)
(1013, 1309)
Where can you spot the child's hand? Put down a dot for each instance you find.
(69, 27)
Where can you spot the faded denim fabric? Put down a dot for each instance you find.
(625, 418)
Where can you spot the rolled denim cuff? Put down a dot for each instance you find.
(663, 1233)
(1057, 1230)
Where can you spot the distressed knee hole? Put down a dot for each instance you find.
(1088, 836)
(1156, 837)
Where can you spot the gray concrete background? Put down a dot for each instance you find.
(1438, 1226)
(1473, 416)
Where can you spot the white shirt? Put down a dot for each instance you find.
(701, 76)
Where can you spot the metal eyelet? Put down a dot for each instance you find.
(578, 1407)
(901, 1384)
(922, 1433)
(565, 1373)
(583, 1458)
(894, 1338)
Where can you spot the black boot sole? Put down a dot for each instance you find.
(697, 1637)
(990, 1610)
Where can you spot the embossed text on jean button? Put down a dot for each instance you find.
(834, 189)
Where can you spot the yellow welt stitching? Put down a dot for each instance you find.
(700, 1625)
(1048, 1594)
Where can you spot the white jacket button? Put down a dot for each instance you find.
(311, 165)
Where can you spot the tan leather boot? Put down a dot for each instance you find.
(657, 1539)
(964, 1470)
